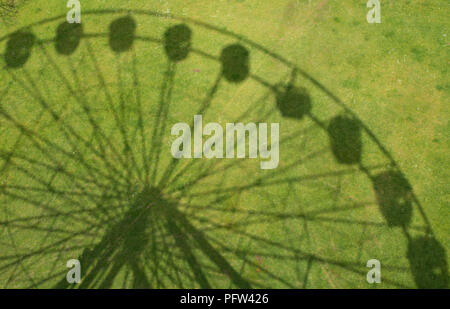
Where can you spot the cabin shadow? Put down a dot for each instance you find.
(428, 261)
(122, 34)
(18, 49)
(68, 37)
(177, 42)
(345, 139)
(235, 63)
(394, 197)
(293, 102)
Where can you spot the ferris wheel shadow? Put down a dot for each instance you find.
(154, 241)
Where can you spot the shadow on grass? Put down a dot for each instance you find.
(125, 243)
(18, 49)
(68, 37)
(428, 261)
(235, 63)
(151, 224)
(177, 42)
(122, 34)
(393, 193)
(294, 102)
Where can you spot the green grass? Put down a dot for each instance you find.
(69, 190)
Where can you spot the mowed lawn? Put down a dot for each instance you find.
(86, 170)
